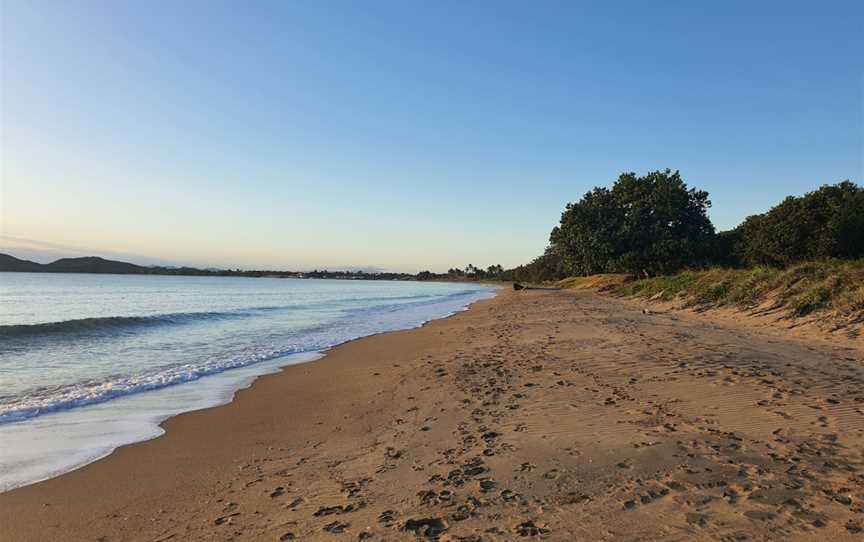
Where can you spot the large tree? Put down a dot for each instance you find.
(588, 237)
(644, 225)
(828, 222)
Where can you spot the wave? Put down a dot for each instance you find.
(119, 323)
(355, 324)
(98, 324)
(415, 301)
(88, 393)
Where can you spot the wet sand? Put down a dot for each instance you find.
(539, 414)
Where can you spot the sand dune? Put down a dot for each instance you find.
(539, 414)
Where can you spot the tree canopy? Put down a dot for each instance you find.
(826, 223)
(656, 224)
(644, 225)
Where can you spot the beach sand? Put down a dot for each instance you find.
(545, 414)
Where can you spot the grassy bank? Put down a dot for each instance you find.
(834, 286)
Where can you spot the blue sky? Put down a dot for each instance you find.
(403, 135)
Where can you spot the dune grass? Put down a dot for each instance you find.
(834, 285)
(605, 282)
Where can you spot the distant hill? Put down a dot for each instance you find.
(89, 264)
(11, 263)
(94, 264)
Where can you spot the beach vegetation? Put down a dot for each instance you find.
(646, 226)
(650, 237)
(656, 225)
(832, 285)
(825, 223)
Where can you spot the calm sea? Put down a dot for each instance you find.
(92, 362)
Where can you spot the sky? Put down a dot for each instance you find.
(403, 135)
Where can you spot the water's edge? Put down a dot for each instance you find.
(147, 412)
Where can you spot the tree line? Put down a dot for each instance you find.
(95, 264)
(655, 224)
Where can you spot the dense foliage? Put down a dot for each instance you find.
(656, 224)
(644, 225)
(471, 272)
(542, 268)
(822, 224)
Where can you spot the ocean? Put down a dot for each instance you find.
(92, 362)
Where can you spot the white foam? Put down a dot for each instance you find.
(94, 422)
(52, 444)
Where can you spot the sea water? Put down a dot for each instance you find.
(92, 362)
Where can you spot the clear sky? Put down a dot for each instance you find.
(403, 135)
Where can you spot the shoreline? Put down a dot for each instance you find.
(543, 413)
(211, 391)
(150, 409)
(181, 443)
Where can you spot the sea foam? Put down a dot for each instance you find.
(50, 429)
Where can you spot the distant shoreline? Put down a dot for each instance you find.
(279, 277)
(101, 266)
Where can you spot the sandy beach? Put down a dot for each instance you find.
(546, 414)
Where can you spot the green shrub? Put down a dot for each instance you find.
(826, 223)
(801, 289)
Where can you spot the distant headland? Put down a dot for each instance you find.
(95, 264)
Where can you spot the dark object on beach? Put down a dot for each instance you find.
(517, 286)
(336, 527)
(428, 527)
(528, 528)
